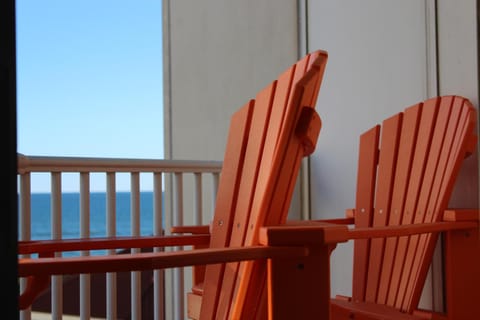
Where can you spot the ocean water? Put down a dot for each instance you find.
(41, 216)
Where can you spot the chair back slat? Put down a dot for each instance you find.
(367, 171)
(274, 114)
(433, 174)
(416, 174)
(279, 173)
(405, 156)
(247, 191)
(227, 197)
(420, 154)
(389, 141)
(449, 147)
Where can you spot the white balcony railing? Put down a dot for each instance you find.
(180, 196)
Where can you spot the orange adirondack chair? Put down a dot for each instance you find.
(421, 151)
(406, 172)
(268, 138)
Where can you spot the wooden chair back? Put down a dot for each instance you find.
(268, 138)
(406, 172)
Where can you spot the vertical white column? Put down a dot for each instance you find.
(136, 302)
(433, 282)
(85, 233)
(56, 216)
(197, 201)
(111, 281)
(178, 298)
(158, 275)
(215, 178)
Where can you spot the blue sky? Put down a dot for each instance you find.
(89, 78)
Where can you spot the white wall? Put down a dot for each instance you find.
(458, 74)
(221, 54)
(377, 67)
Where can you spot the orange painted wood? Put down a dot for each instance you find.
(424, 245)
(263, 183)
(299, 131)
(194, 303)
(34, 286)
(422, 145)
(404, 162)
(191, 229)
(248, 186)
(462, 276)
(295, 281)
(417, 182)
(386, 169)
(227, 196)
(367, 166)
(453, 145)
(367, 310)
(149, 260)
(428, 208)
(461, 215)
(328, 233)
(101, 243)
(424, 196)
(406, 230)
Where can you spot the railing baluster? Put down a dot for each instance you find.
(135, 231)
(158, 284)
(197, 201)
(111, 281)
(85, 233)
(56, 216)
(215, 178)
(178, 283)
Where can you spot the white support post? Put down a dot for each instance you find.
(56, 229)
(135, 231)
(85, 233)
(178, 283)
(111, 281)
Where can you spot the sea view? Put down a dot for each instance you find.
(41, 215)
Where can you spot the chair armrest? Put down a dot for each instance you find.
(316, 232)
(429, 315)
(148, 261)
(304, 233)
(350, 213)
(39, 270)
(81, 244)
(191, 229)
(343, 298)
(461, 215)
(407, 230)
(344, 221)
(449, 215)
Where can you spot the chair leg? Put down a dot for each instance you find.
(299, 288)
(462, 264)
(35, 286)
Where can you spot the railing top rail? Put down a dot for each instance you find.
(86, 164)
